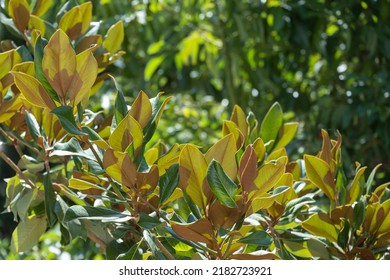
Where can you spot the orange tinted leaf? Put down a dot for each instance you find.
(20, 13)
(224, 151)
(33, 91)
(7, 60)
(77, 20)
(319, 173)
(85, 77)
(199, 231)
(141, 110)
(320, 224)
(192, 170)
(239, 118)
(248, 169)
(230, 127)
(120, 167)
(59, 63)
(268, 175)
(126, 133)
(114, 37)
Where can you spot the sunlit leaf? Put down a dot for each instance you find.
(20, 13)
(77, 20)
(239, 118)
(287, 132)
(271, 124)
(120, 167)
(320, 224)
(33, 91)
(59, 63)
(318, 171)
(224, 151)
(115, 35)
(141, 110)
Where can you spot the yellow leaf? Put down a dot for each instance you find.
(384, 226)
(287, 131)
(85, 77)
(20, 13)
(82, 185)
(77, 20)
(9, 108)
(263, 202)
(199, 231)
(276, 154)
(193, 169)
(120, 167)
(224, 151)
(230, 127)
(59, 63)
(37, 23)
(7, 60)
(151, 156)
(355, 190)
(33, 91)
(319, 173)
(320, 224)
(126, 133)
(41, 7)
(239, 118)
(114, 38)
(170, 158)
(259, 148)
(141, 110)
(268, 175)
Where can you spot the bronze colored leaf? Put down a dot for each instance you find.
(199, 231)
(248, 169)
(20, 14)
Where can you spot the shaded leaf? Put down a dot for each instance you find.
(66, 117)
(260, 237)
(92, 213)
(221, 185)
(168, 182)
(27, 234)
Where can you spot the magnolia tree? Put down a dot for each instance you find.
(107, 180)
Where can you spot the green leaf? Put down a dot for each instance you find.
(50, 199)
(40, 75)
(33, 125)
(66, 117)
(221, 185)
(27, 234)
(271, 124)
(168, 182)
(134, 253)
(370, 179)
(359, 213)
(120, 103)
(70, 148)
(261, 238)
(92, 213)
(148, 221)
(150, 241)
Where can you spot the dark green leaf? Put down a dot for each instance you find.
(168, 182)
(370, 179)
(148, 221)
(343, 236)
(135, 253)
(50, 200)
(92, 213)
(120, 104)
(359, 213)
(150, 241)
(261, 238)
(66, 117)
(221, 185)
